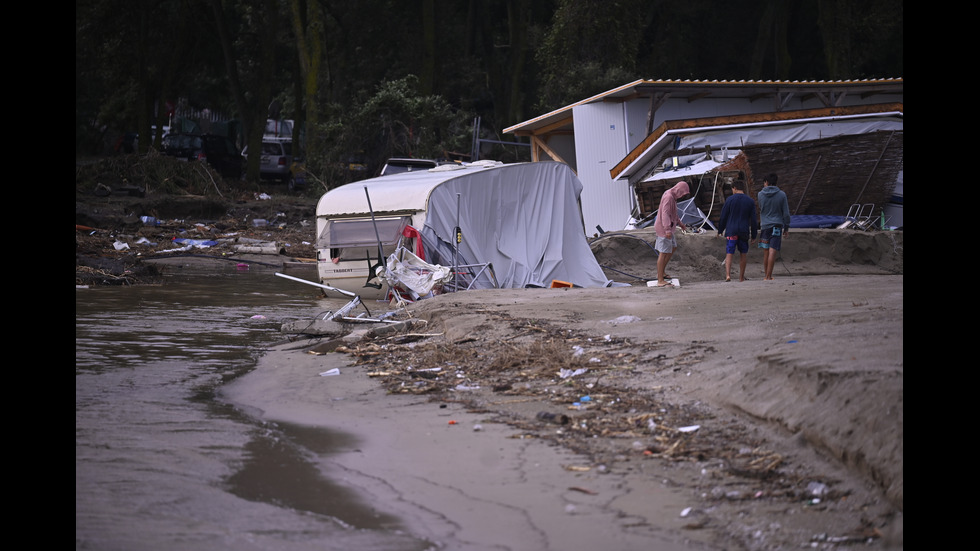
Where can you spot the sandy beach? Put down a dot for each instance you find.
(714, 415)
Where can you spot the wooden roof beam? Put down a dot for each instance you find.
(538, 145)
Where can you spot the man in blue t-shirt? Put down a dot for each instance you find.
(738, 224)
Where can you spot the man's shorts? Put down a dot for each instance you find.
(666, 244)
(771, 238)
(733, 242)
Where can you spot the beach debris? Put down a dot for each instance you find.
(621, 320)
(583, 490)
(197, 243)
(577, 351)
(690, 428)
(330, 372)
(566, 373)
(818, 489)
(120, 246)
(416, 277)
(344, 310)
(557, 418)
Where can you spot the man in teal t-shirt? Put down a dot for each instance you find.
(774, 219)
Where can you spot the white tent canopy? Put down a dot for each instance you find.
(525, 219)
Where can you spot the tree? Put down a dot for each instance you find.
(249, 49)
(591, 46)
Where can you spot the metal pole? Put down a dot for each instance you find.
(458, 238)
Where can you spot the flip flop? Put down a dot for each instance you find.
(665, 285)
(727, 279)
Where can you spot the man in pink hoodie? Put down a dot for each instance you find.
(667, 220)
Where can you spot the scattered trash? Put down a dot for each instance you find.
(566, 373)
(578, 351)
(556, 418)
(120, 246)
(623, 319)
(817, 488)
(665, 318)
(272, 249)
(330, 372)
(585, 399)
(149, 221)
(691, 428)
(200, 243)
(258, 317)
(263, 196)
(467, 387)
(452, 422)
(477, 428)
(686, 511)
(259, 223)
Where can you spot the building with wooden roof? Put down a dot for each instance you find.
(624, 143)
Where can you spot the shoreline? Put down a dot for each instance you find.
(805, 372)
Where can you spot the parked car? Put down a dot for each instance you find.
(277, 158)
(218, 151)
(297, 175)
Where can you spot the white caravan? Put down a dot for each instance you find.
(496, 225)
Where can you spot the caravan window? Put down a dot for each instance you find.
(355, 238)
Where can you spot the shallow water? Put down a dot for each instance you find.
(161, 463)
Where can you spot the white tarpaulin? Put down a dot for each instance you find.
(406, 271)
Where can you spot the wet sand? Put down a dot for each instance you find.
(810, 366)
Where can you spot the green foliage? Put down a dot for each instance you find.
(396, 121)
(502, 60)
(153, 173)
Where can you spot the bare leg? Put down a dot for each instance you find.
(770, 260)
(743, 261)
(728, 267)
(662, 260)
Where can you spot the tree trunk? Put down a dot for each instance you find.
(309, 29)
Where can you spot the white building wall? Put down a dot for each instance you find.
(606, 131)
(601, 140)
